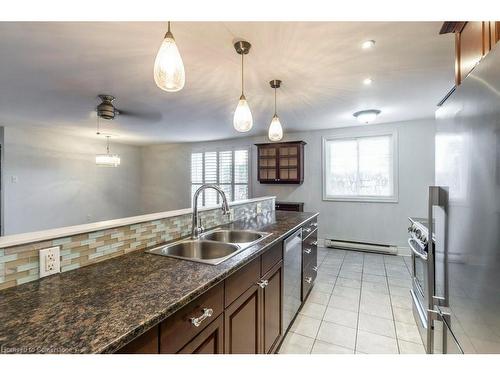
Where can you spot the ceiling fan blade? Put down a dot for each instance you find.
(149, 116)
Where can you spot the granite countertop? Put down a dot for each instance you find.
(102, 307)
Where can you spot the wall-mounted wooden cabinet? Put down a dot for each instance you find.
(473, 40)
(280, 163)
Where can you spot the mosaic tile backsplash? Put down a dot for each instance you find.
(19, 264)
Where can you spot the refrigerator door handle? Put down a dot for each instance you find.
(438, 197)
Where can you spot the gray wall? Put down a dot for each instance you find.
(166, 177)
(58, 183)
(166, 182)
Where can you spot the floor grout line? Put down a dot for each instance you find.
(331, 293)
(340, 264)
(359, 306)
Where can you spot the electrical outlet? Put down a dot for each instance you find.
(231, 214)
(50, 261)
(259, 208)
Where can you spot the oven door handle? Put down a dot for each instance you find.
(416, 252)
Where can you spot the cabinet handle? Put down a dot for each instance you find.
(314, 243)
(314, 224)
(307, 251)
(207, 313)
(307, 230)
(308, 280)
(263, 283)
(315, 269)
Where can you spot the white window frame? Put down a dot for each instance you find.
(221, 149)
(365, 198)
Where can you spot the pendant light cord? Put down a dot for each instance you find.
(275, 107)
(242, 73)
(168, 27)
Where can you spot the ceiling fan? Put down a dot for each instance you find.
(106, 110)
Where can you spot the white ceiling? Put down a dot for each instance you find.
(51, 74)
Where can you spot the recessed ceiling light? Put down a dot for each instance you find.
(368, 44)
(366, 116)
(367, 81)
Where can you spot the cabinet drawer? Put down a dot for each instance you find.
(309, 228)
(208, 341)
(147, 343)
(271, 257)
(177, 330)
(241, 280)
(310, 249)
(309, 274)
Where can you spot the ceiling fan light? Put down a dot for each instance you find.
(169, 71)
(242, 120)
(107, 160)
(275, 129)
(367, 116)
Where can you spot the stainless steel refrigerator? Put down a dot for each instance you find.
(464, 259)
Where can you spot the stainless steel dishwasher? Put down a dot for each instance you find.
(292, 276)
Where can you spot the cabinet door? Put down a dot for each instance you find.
(288, 162)
(208, 341)
(267, 163)
(147, 343)
(272, 301)
(242, 323)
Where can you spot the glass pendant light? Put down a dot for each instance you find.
(275, 129)
(242, 120)
(107, 159)
(169, 69)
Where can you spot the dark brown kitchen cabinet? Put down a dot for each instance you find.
(289, 206)
(309, 257)
(147, 343)
(180, 328)
(280, 163)
(242, 323)
(208, 341)
(242, 314)
(272, 305)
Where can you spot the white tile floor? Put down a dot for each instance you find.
(359, 304)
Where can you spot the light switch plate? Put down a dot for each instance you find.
(259, 208)
(50, 261)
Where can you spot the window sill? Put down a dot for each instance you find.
(362, 199)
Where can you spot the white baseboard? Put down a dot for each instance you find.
(401, 250)
(404, 251)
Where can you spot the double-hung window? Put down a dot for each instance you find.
(228, 169)
(360, 168)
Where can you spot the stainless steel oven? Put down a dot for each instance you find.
(418, 241)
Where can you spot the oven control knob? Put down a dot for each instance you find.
(418, 234)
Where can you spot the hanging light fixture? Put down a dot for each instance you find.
(107, 159)
(275, 129)
(169, 69)
(242, 120)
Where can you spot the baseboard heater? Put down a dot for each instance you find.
(361, 246)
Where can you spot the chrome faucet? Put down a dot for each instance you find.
(197, 228)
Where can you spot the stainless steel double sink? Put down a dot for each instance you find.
(213, 247)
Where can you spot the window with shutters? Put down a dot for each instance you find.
(227, 169)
